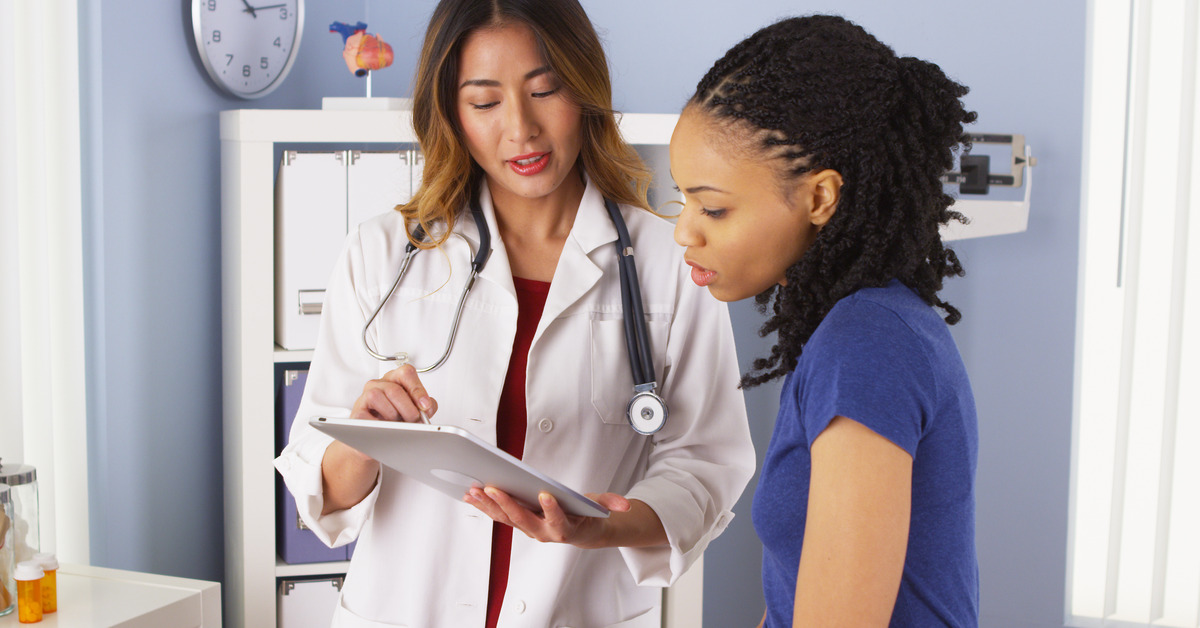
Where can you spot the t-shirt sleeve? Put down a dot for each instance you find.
(865, 363)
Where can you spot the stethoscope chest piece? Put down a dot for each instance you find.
(647, 412)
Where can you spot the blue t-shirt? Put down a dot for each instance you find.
(883, 358)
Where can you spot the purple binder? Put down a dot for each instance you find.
(293, 540)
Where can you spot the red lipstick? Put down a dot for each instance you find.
(529, 164)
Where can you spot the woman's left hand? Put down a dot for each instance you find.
(552, 525)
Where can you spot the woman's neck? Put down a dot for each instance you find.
(547, 217)
(534, 230)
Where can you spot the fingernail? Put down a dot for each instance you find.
(544, 498)
(491, 492)
(426, 404)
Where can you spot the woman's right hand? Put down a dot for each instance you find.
(348, 475)
(397, 396)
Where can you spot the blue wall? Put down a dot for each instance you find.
(152, 224)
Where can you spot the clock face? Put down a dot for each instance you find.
(247, 46)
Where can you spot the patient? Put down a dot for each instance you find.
(809, 159)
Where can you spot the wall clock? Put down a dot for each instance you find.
(247, 46)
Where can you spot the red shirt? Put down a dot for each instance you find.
(511, 418)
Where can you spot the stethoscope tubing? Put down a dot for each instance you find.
(637, 337)
(478, 261)
(650, 417)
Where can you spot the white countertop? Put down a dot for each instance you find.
(95, 597)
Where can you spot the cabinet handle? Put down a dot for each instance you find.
(310, 301)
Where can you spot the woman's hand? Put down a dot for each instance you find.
(631, 523)
(397, 396)
(348, 475)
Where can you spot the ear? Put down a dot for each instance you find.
(824, 189)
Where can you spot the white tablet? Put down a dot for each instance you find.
(452, 460)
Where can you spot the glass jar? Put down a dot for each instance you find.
(21, 480)
(8, 586)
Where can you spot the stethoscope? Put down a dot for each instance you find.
(647, 412)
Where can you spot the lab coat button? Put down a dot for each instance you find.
(519, 606)
(545, 425)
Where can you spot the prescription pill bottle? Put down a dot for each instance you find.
(49, 564)
(29, 592)
(8, 586)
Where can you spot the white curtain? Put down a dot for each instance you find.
(42, 384)
(1134, 548)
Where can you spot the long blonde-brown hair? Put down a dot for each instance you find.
(569, 43)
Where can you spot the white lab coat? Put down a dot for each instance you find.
(422, 558)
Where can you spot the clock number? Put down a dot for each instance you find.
(243, 56)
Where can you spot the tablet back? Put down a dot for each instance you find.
(452, 460)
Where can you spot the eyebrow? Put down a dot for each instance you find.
(700, 188)
(545, 69)
(704, 188)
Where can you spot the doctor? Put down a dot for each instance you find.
(512, 107)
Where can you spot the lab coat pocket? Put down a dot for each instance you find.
(344, 618)
(648, 619)
(611, 375)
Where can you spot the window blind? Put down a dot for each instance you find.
(42, 411)
(1134, 545)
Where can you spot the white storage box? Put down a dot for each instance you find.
(319, 198)
(376, 183)
(310, 225)
(308, 602)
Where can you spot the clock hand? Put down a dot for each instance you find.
(249, 9)
(272, 6)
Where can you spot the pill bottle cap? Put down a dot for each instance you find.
(28, 570)
(47, 560)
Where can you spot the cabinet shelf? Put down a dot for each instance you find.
(282, 355)
(284, 570)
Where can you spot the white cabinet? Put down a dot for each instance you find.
(248, 161)
(97, 597)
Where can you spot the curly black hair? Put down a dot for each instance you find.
(817, 93)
